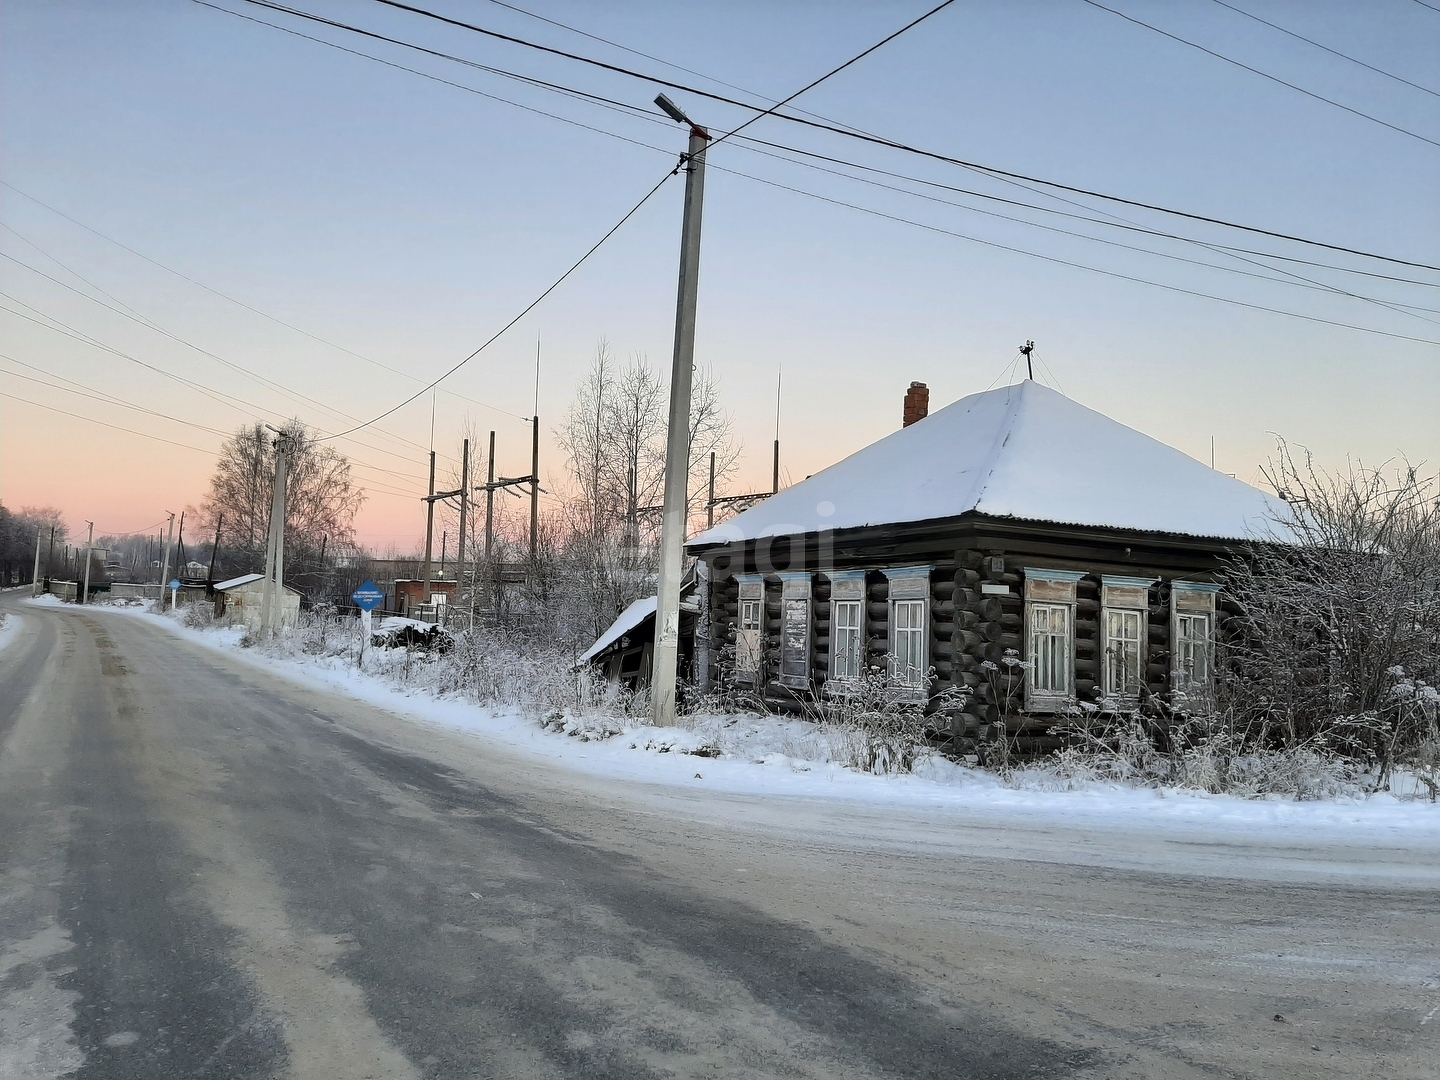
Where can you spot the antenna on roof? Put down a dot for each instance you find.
(1025, 351)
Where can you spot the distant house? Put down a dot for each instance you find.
(410, 598)
(1014, 527)
(241, 599)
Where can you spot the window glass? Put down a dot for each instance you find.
(1123, 652)
(907, 635)
(1192, 650)
(845, 639)
(1050, 649)
(747, 641)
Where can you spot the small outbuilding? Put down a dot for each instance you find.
(241, 600)
(625, 650)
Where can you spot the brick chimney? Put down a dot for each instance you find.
(917, 403)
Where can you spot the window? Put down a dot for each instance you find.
(1050, 638)
(1192, 626)
(1125, 659)
(750, 629)
(907, 644)
(1050, 649)
(1192, 651)
(1123, 652)
(846, 643)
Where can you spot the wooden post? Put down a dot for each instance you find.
(490, 525)
(429, 526)
(710, 502)
(464, 513)
(210, 577)
(534, 487)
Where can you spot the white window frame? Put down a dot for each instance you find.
(1118, 658)
(1047, 589)
(847, 592)
(749, 639)
(1192, 601)
(910, 586)
(1124, 596)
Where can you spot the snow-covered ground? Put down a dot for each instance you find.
(773, 756)
(10, 627)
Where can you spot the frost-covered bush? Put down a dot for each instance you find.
(1333, 650)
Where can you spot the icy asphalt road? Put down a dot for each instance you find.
(207, 871)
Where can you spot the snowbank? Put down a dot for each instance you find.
(780, 757)
(10, 627)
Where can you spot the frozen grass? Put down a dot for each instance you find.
(500, 688)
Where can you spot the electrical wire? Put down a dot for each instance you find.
(529, 308)
(1256, 71)
(216, 292)
(834, 71)
(66, 331)
(1226, 249)
(1326, 48)
(834, 129)
(102, 423)
(1073, 264)
(1298, 281)
(240, 369)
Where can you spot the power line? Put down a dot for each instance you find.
(67, 331)
(1111, 223)
(1326, 48)
(210, 289)
(1300, 281)
(852, 133)
(1071, 263)
(1256, 71)
(1423, 4)
(161, 330)
(102, 423)
(529, 308)
(834, 71)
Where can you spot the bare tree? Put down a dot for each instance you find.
(322, 499)
(1336, 619)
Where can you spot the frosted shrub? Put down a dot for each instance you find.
(882, 730)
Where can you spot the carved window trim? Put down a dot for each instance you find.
(1047, 591)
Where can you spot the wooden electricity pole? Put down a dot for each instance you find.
(534, 487)
(429, 526)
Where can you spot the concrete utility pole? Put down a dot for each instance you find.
(165, 559)
(273, 596)
(89, 540)
(464, 513)
(429, 526)
(666, 656)
(35, 574)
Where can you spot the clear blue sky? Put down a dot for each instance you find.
(407, 220)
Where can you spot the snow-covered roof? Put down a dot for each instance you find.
(1026, 452)
(246, 579)
(628, 620)
(243, 579)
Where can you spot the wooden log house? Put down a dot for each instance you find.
(1015, 544)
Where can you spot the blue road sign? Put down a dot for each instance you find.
(368, 596)
(175, 584)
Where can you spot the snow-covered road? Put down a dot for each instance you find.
(207, 867)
